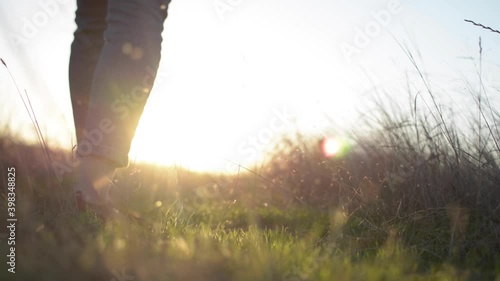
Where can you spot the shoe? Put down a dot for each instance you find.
(104, 212)
(94, 176)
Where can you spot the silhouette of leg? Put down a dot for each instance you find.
(85, 51)
(123, 78)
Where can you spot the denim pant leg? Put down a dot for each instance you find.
(124, 77)
(85, 51)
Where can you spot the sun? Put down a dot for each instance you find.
(330, 147)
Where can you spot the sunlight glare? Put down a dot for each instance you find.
(330, 147)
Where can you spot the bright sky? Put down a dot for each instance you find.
(229, 75)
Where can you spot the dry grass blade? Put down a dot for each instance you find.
(483, 26)
(29, 108)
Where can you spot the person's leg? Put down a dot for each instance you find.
(122, 82)
(85, 51)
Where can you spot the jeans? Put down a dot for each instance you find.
(114, 59)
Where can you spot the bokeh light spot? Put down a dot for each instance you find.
(330, 147)
(127, 48)
(136, 54)
(119, 244)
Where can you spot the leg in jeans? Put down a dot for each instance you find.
(85, 52)
(122, 80)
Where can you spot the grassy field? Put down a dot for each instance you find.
(363, 216)
(192, 231)
(412, 197)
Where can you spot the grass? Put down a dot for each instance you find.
(189, 237)
(414, 197)
(288, 227)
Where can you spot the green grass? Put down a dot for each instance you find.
(207, 242)
(193, 236)
(413, 197)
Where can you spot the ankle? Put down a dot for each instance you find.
(94, 179)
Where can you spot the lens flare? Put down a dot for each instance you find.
(330, 147)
